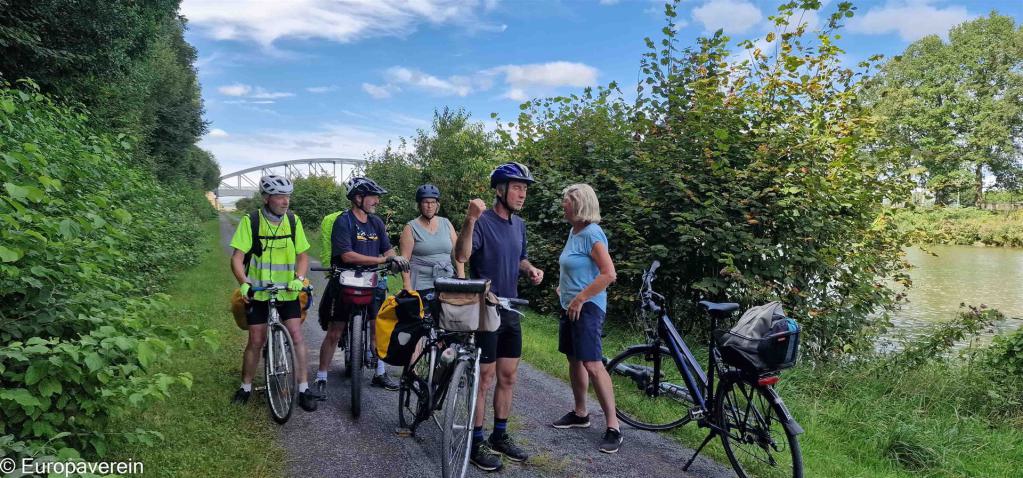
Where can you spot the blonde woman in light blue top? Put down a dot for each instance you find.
(586, 272)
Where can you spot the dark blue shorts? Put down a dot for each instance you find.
(580, 339)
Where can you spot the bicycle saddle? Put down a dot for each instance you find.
(719, 310)
(448, 284)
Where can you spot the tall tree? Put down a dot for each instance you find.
(957, 106)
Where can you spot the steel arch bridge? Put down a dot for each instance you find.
(245, 183)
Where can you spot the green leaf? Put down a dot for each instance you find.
(146, 353)
(34, 374)
(21, 396)
(50, 386)
(93, 361)
(10, 255)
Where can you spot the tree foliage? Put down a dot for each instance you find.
(315, 197)
(88, 238)
(955, 108)
(750, 180)
(128, 64)
(456, 155)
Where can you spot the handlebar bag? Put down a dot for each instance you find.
(464, 311)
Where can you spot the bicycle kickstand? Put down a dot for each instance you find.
(710, 436)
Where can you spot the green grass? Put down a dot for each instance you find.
(937, 421)
(203, 434)
(963, 226)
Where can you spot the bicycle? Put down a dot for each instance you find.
(279, 359)
(759, 435)
(444, 377)
(357, 288)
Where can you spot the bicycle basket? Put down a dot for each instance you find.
(357, 287)
(764, 340)
(467, 305)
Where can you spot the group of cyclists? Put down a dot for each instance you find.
(492, 241)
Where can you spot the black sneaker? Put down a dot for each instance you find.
(321, 390)
(612, 441)
(384, 382)
(571, 420)
(505, 446)
(308, 400)
(482, 458)
(241, 397)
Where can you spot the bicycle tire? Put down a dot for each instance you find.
(279, 370)
(750, 420)
(357, 352)
(459, 408)
(646, 402)
(415, 393)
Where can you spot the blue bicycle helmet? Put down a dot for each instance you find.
(511, 171)
(365, 187)
(427, 191)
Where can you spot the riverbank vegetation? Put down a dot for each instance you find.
(963, 226)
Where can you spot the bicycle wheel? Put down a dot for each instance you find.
(459, 405)
(755, 441)
(646, 401)
(279, 367)
(414, 391)
(356, 354)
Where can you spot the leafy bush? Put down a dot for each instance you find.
(315, 197)
(751, 180)
(963, 226)
(457, 156)
(87, 237)
(1006, 353)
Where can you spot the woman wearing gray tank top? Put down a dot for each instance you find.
(427, 242)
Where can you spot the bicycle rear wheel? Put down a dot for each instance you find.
(279, 367)
(356, 354)
(414, 391)
(459, 408)
(756, 442)
(646, 400)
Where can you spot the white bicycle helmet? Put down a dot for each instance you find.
(274, 184)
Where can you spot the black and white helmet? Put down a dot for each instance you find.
(274, 184)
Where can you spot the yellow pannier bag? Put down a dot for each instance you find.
(399, 326)
(238, 306)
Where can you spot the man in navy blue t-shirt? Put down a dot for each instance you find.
(493, 242)
(358, 238)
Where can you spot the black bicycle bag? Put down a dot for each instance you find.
(763, 340)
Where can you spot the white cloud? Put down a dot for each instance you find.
(321, 89)
(911, 19)
(732, 16)
(236, 89)
(217, 133)
(521, 80)
(376, 91)
(608, 2)
(254, 92)
(266, 21)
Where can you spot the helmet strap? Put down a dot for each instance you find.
(504, 203)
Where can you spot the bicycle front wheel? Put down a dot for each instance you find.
(756, 442)
(459, 405)
(279, 367)
(649, 391)
(415, 393)
(356, 354)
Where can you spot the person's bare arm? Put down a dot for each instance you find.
(463, 248)
(459, 266)
(535, 275)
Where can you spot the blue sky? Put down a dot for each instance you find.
(290, 79)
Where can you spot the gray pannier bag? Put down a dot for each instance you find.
(466, 305)
(763, 340)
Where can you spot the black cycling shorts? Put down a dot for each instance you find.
(506, 342)
(258, 311)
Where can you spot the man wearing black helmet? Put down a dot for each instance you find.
(358, 238)
(493, 241)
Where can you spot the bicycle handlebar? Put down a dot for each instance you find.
(385, 267)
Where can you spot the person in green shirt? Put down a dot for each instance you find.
(283, 262)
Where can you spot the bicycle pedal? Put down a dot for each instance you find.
(697, 413)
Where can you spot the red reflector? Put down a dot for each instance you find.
(766, 381)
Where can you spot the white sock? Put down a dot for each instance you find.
(381, 367)
(247, 387)
(321, 375)
(303, 387)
